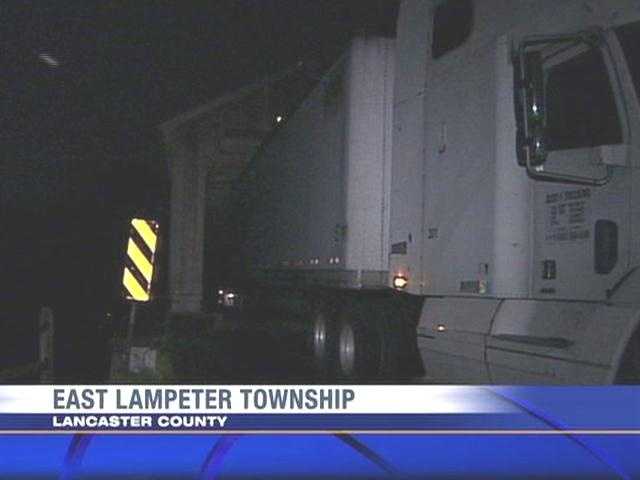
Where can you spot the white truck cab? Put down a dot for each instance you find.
(515, 189)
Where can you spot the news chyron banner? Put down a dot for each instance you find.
(285, 430)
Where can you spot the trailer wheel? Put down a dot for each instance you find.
(323, 340)
(361, 346)
(629, 370)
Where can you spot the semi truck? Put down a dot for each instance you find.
(460, 203)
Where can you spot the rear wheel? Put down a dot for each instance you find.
(347, 349)
(377, 339)
(323, 342)
(629, 370)
(361, 345)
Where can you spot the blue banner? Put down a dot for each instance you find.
(548, 432)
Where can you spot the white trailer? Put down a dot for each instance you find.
(315, 210)
(502, 206)
(319, 188)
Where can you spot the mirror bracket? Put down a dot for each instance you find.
(529, 85)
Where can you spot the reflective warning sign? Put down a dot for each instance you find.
(138, 268)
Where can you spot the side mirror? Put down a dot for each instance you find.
(533, 135)
(532, 124)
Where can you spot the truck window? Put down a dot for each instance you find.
(452, 22)
(581, 107)
(629, 36)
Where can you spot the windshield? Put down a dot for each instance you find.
(629, 36)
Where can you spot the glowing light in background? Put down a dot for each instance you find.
(48, 60)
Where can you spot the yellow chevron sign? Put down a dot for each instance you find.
(138, 265)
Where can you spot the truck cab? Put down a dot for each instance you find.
(519, 222)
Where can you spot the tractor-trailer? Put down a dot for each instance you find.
(462, 202)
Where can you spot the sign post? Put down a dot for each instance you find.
(46, 347)
(131, 325)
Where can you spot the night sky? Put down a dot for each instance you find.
(84, 84)
(126, 66)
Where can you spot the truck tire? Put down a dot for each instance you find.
(377, 339)
(629, 370)
(361, 345)
(323, 342)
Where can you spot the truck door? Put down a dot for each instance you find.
(575, 122)
(575, 143)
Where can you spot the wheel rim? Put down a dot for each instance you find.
(319, 336)
(347, 349)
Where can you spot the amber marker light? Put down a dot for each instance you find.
(400, 282)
